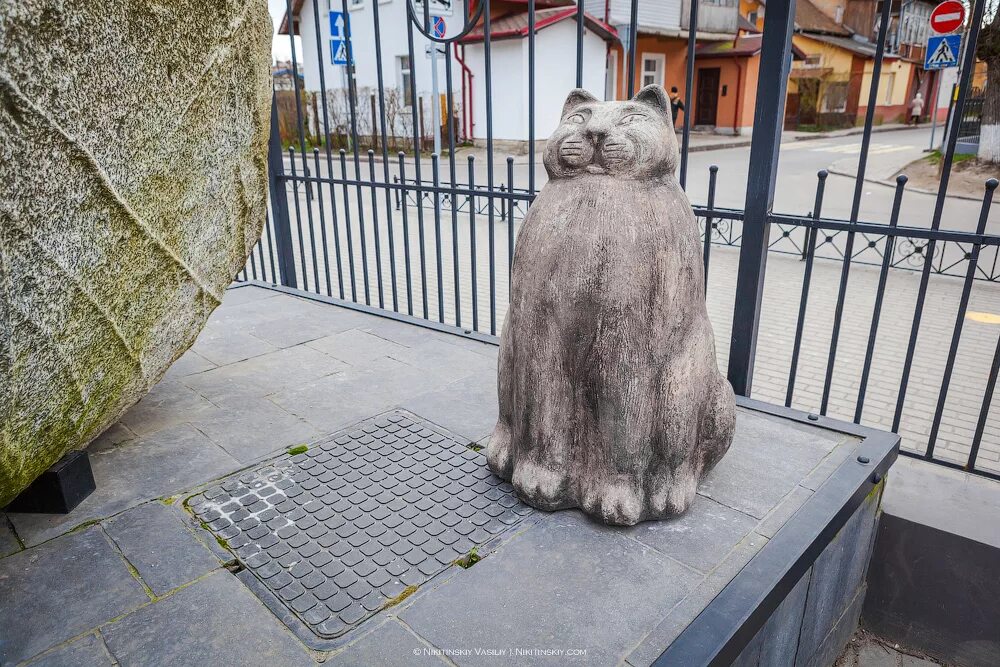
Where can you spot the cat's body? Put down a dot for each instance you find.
(610, 396)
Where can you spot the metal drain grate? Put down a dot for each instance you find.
(340, 531)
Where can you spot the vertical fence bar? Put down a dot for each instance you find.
(713, 172)
(298, 219)
(633, 30)
(352, 101)
(487, 33)
(298, 98)
(968, 65)
(510, 221)
(776, 60)
(472, 243)
(436, 175)
(322, 224)
(452, 174)
(347, 226)
(279, 202)
(406, 233)
(810, 255)
(859, 182)
(579, 43)
(375, 232)
(984, 411)
(890, 244)
(963, 307)
(385, 159)
(417, 140)
(268, 232)
(688, 87)
(531, 96)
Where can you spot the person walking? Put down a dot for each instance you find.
(676, 105)
(916, 108)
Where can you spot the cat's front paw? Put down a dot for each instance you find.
(615, 503)
(540, 486)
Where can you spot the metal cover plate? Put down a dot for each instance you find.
(339, 532)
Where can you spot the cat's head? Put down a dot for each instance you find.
(633, 139)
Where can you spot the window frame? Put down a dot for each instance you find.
(660, 72)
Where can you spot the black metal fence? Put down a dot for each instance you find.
(433, 238)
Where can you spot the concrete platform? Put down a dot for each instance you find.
(149, 570)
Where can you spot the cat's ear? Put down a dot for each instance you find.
(576, 97)
(653, 95)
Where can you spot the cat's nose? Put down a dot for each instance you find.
(597, 134)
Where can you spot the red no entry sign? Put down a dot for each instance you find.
(947, 17)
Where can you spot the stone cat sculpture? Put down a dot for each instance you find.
(610, 396)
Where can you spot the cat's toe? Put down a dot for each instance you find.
(539, 486)
(615, 503)
(498, 455)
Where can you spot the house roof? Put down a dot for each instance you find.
(743, 24)
(809, 18)
(863, 48)
(744, 46)
(515, 26)
(540, 4)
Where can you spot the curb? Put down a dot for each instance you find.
(892, 184)
(853, 132)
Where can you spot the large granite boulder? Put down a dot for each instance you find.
(133, 139)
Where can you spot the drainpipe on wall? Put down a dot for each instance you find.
(469, 123)
(739, 98)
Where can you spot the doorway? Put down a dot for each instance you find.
(707, 96)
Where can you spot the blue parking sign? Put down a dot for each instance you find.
(942, 51)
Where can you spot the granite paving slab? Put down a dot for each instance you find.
(390, 645)
(87, 651)
(214, 621)
(566, 590)
(349, 526)
(8, 541)
(163, 551)
(61, 589)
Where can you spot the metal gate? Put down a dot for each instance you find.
(430, 238)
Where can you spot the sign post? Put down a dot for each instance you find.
(438, 27)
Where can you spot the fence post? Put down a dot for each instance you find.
(776, 60)
(279, 201)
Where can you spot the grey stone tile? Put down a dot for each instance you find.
(355, 346)
(837, 575)
(444, 360)
(683, 613)
(780, 635)
(59, 590)
(389, 645)
(286, 321)
(404, 333)
(833, 460)
(915, 661)
(254, 427)
(163, 464)
(214, 621)
(339, 400)
(87, 651)
(564, 583)
(766, 461)
(113, 436)
(448, 408)
(223, 345)
(190, 363)
(238, 295)
(264, 374)
(165, 553)
(784, 511)
(167, 404)
(8, 541)
(701, 537)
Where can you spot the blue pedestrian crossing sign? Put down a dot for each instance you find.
(942, 51)
(338, 51)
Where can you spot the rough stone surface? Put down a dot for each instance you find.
(133, 142)
(610, 396)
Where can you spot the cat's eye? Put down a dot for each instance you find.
(632, 118)
(576, 118)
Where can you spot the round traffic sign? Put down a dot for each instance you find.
(948, 17)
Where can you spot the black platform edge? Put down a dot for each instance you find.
(718, 635)
(59, 489)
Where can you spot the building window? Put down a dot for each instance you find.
(813, 60)
(653, 65)
(890, 82)
(405, 77)
(355, 4)
(835, 99)
(752, 18)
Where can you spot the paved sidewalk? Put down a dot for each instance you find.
(133, 577)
